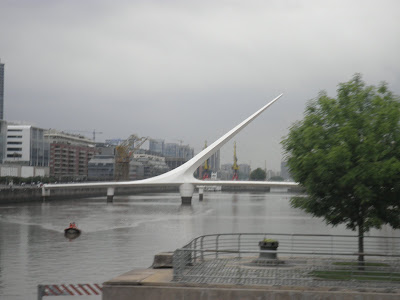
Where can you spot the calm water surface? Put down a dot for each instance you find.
(118, 237)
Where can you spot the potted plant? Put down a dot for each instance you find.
(268, 244)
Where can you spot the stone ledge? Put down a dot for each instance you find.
(143, 277)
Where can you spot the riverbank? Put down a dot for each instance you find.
(33, 194)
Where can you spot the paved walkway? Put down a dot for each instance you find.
(289, 272)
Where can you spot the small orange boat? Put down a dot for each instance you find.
(72, 229)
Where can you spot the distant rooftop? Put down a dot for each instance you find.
(74, 138)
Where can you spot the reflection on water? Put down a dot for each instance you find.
(117, 237)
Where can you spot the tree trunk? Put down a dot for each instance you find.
(361, 262)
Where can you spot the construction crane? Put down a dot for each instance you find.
(94, 134)
(206, 167)
(235, 166)
(123, 156)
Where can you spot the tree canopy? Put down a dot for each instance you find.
(258, 174)
(346, 154)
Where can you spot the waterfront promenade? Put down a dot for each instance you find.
(151, 284)
(229, 266)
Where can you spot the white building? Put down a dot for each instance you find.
(26, 145)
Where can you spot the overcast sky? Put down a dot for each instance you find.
(189, 70)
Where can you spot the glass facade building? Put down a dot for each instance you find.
(26, 145)
(156, 146)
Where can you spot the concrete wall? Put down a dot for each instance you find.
(232, 293)
(41, 171)
(10, 171)
(27, 171)
(157, 284)
(23, 171)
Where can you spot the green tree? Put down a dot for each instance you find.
(258, 174)
(346, 154)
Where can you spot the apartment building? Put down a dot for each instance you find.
(69, 155)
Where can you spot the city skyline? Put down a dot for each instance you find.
(189, 71)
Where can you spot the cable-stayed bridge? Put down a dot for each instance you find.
(182, 176)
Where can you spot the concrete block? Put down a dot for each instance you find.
(162, 260)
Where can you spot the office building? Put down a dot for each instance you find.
(156, 146)
(244, 171)
(214, 162)
(101, 165)
(171, 150)
(176, 150)
(225, 172)
(145, 166)
(27, 145)
(101, 168)
(176, 155)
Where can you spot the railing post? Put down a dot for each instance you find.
(216, 246)
(239, 244)
(202, 248)
(41, 290)
(291, 246)
(195, 252)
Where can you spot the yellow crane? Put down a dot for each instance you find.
(235, 166)
(206, 167)
(123, 156)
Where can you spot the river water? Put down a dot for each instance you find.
(118, 237)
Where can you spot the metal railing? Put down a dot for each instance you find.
(302, 259)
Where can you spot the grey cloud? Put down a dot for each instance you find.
(189, 70)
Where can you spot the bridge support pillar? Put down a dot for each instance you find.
(186, 190)
(278, 189)
(45, 193)
(110, 194)
(201, 193)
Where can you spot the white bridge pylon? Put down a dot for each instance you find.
(183, 175)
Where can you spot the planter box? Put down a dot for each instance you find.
(268, 245)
